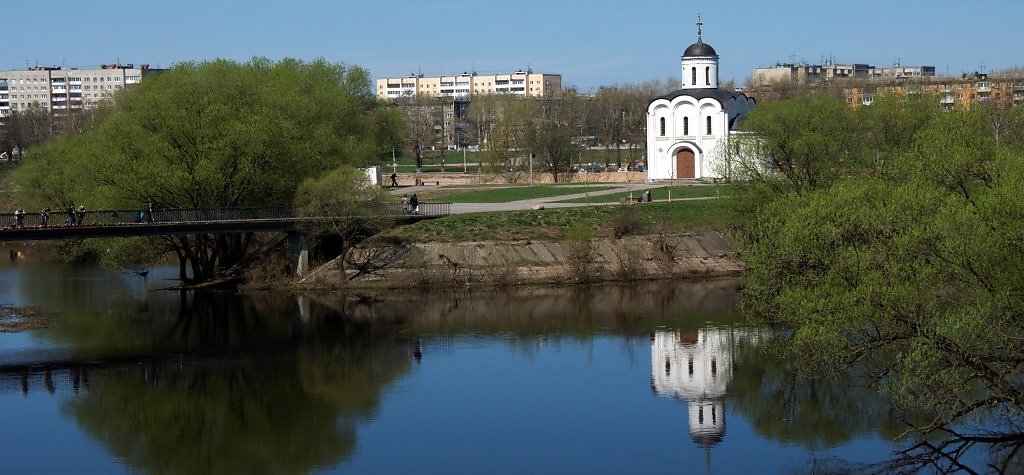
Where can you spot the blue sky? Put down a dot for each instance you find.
(591, 43)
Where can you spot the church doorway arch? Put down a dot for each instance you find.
(685, 163)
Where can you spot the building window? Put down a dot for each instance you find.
(709, 125)
(707, 75)
(686, 126)
(693, 76)
(662, 121)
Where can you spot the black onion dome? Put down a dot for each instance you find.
(699, 49)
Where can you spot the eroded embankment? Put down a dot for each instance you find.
(533, 262)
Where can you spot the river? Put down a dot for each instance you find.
(659, 377)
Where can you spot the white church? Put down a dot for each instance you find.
(688, 130)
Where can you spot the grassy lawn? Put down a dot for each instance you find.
(505, 194)
(678, 192)
(551, 224)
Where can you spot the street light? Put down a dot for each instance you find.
(531, 168)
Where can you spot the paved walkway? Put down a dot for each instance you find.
(548, 202)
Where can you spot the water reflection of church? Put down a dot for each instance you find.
(697, 366)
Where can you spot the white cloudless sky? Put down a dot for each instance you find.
(591, 43)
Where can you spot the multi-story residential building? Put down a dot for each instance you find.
(813, 74)
(466, 85)
(964, 91)
(804, 74)
(860, 84)
(57, 89)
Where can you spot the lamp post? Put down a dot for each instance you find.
(531, 168)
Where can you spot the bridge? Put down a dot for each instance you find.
(181, 221)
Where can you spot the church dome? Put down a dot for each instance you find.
(699, 49)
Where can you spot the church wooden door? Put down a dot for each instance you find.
(685, 164)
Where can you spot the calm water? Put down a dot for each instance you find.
(660, 378)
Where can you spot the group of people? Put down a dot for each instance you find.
(75, 217)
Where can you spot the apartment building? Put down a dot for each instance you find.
(57, 89)
(952, 92)
(812, 74)
(466, 85)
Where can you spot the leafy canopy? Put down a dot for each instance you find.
(216, 133)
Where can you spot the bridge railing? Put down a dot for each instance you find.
(198, 215)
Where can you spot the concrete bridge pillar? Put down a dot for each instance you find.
(298, 247)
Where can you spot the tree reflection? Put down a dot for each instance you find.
(785, 405)
(281, 399)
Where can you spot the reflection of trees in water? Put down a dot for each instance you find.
(814, 412)
(783, 403)
(249, 416)
(286, 398)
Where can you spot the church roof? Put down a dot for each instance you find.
(699, 49)
(723, 97)
(721, 94)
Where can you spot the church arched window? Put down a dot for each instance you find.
(686, 126)
(707, 75)
(662, 126)
(693, 76)
(709, 125)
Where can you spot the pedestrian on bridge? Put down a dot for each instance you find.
(81, 215)
(414, 204)
(44, 216)
(19, 217)
(71, 214)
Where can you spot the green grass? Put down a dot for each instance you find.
(551, 224)
(678, 192)
(505, 194)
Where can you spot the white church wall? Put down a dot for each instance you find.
(661, 150)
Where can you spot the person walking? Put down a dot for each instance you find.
(19, 218)
(71, 214)
(394, 180)
(44, 216)
(414, 204)
(81, 215)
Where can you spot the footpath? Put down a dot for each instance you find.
(624, 189)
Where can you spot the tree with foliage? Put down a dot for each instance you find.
(215, 134)
(913, 277)
(806, 142)
(351, 217)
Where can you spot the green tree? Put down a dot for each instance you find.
(216, 134)
(352, 216)
(800, 144)
(914, 277)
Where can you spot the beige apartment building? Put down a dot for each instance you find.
(57, 89)
(952, 92)
(466, 85)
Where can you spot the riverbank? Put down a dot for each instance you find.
(498, 263)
